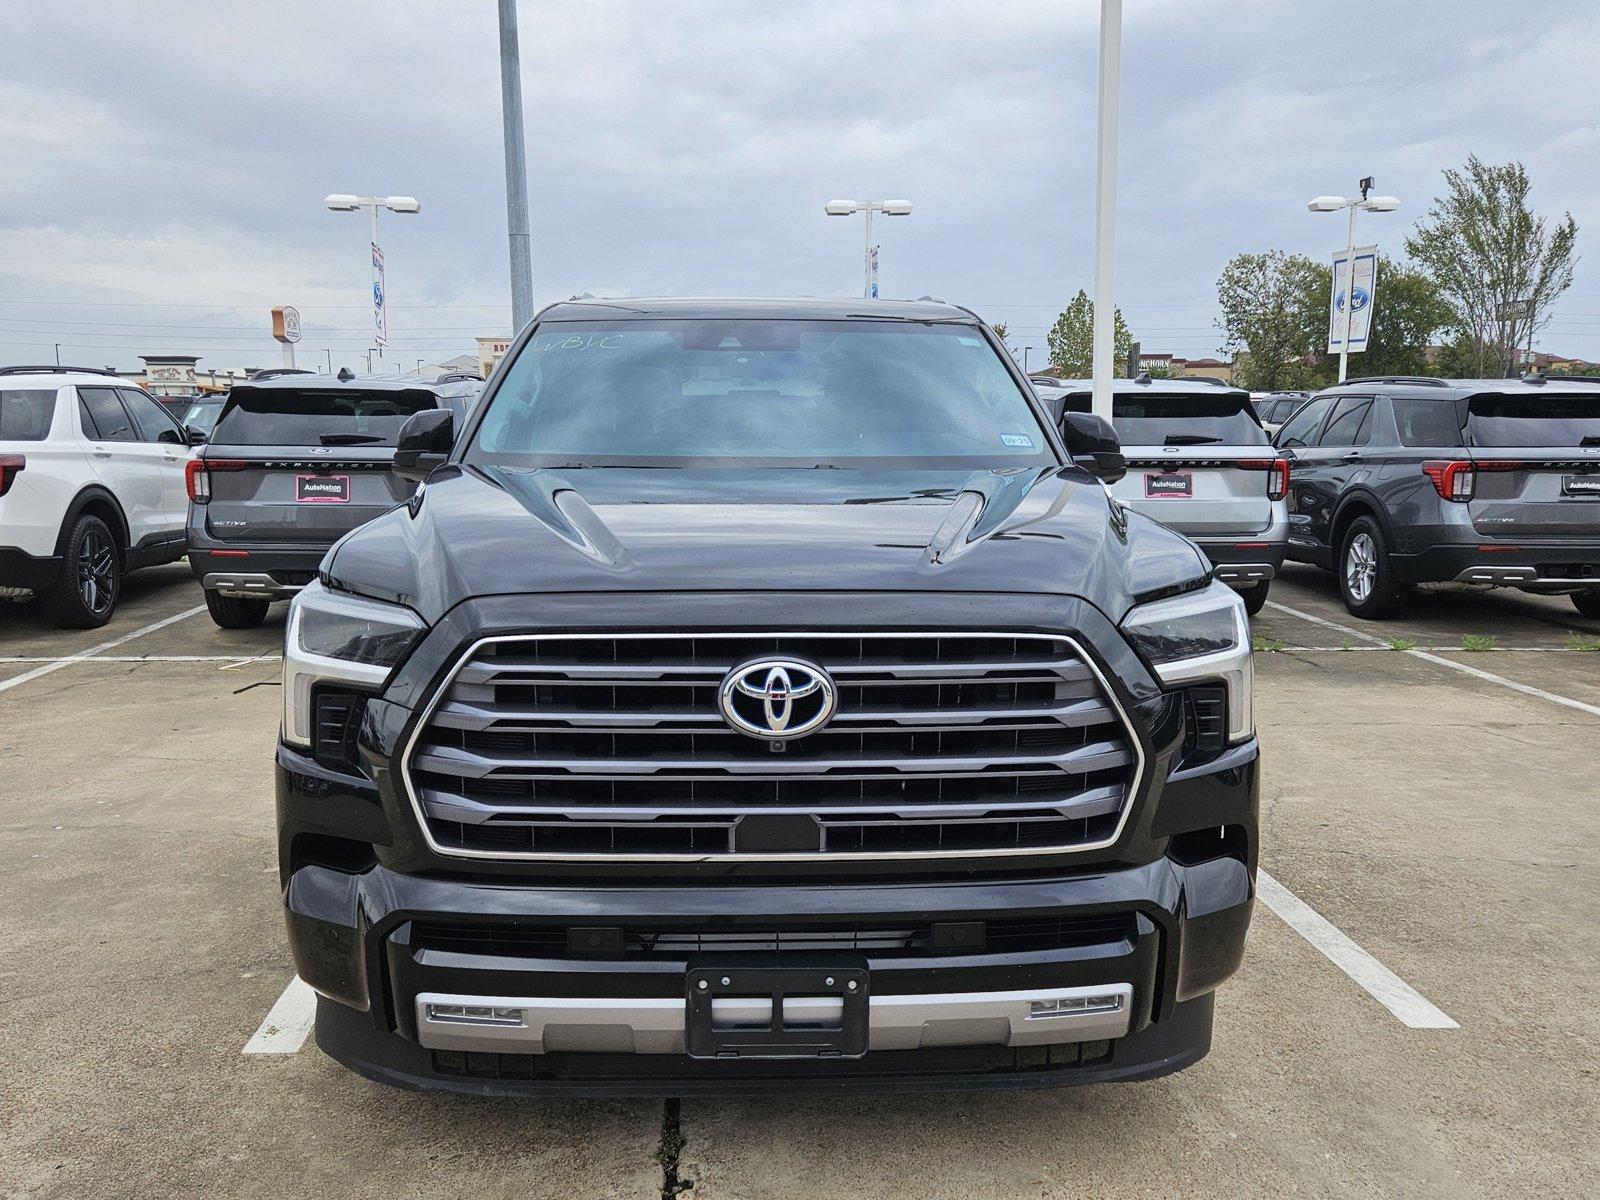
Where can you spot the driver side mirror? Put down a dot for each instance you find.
(1093, 445)
(424, 443)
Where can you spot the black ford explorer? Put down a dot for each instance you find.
(763, 695)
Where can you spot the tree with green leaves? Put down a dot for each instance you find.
(1500, 267)
(1273, 308)
(1071, 339)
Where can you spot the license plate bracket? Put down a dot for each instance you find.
(1586, 487)
(1168, 485)
(776, 1012)
(322, 489)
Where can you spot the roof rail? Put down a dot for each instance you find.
(1211, 379)
(458, 377)
(275, 372)
(1421, 380)
(58, 370)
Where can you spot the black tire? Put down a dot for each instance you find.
(1255, 599)
(1366, 573)
(235, 612)
(1587, 602)
(86, 592)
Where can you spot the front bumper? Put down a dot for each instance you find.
(599, 956)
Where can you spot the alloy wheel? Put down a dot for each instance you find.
(97, 572)
(1361, 567)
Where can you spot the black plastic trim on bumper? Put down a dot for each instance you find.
(258, 562)
(1446, 563)
(20, 569)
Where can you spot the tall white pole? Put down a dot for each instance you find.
(1105, 208)
(867, 260)
(516, 169)
(1349, 293)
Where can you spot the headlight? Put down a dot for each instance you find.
(339, 638)
(1202, 635)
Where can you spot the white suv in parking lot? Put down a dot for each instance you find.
(91, 487)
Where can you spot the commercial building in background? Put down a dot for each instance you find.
(490, 351)
(171, 374)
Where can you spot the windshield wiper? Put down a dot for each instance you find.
(1188, 439)
(350, 439)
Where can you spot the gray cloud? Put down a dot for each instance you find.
(164, 163)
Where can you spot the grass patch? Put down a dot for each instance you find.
(1582, 641)
(1477, 641)
(1346, 645)
(1400, 643)
(1263, 645)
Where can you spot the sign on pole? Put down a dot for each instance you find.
(380, 318)
(872, 270)
(1363, 295)
(286, 330)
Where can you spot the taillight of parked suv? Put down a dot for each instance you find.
(1277, 470)
(197, 475)
(10, 464)
(1457, 480)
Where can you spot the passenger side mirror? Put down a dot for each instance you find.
(195, 435)
(424, 443)
(172, 437)
(1093, 445)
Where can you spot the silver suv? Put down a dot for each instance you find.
(1200, 463)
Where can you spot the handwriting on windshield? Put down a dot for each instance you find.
(577, 341)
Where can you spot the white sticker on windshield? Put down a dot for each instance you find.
(1020, 440)
(969, 341)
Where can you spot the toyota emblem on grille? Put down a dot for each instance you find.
(777, 698)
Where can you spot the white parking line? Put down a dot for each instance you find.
(288, 1022)
(56, 665)
(142, 658)
(1413, 1009)
(1487, 676)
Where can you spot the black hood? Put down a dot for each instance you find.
(470, 533)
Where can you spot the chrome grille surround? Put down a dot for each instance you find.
(1068, 655)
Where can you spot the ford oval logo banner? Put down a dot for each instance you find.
(777, 698)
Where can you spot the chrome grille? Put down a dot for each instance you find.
(611, 747)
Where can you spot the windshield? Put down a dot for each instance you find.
(287, 416)
(201, 415)
(1181, 419)
(758, 393)
(1557, 419)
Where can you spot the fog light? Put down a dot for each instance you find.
(1074, 1006)
(477, 1014)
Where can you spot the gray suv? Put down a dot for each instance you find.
(1472, 482)
(295, 463)
(1200, 463)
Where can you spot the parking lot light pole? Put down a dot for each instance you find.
(341, 202)
(1334, 204)
(849, 208)
(1105, 210)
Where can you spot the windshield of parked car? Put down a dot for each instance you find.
(1552, 419)
(202, 415)
(292, 416)
(1181, 419)
(759, 393)
(25, 413)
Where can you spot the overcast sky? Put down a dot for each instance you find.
(162, 165)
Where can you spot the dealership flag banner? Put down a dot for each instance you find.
(380, 318)
(1365, 292)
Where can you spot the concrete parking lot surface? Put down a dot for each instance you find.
(1442, 821)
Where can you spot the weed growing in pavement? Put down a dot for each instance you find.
(1400, 643)
(1263, 645)
(1345, 644)
(1477, 641)
(1582, 641)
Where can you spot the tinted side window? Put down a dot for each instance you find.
(25, 414)
(111, 420)
(1349, 424)
(1426, 422)
(152, 421)
(1299, 431)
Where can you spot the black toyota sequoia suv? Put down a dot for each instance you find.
(764, 696)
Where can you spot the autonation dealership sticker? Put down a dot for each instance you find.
(322, 489)
(1168, 483)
